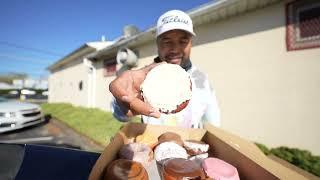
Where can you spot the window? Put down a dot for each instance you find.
(109, 67)
(303, 24)
(80, 85)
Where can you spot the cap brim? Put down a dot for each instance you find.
(170, 28)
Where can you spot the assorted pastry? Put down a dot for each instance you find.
(175, 158)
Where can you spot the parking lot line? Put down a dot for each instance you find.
(28, 140)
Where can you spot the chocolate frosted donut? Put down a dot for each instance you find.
(168, 88)
(179, 169)
(170, 136)
(136, 152)
(123, 169)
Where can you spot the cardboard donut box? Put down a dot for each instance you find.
(250, 162)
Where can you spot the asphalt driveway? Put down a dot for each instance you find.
(53, 133)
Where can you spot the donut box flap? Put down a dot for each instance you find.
(250, 162)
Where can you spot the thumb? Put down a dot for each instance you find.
(151, 66)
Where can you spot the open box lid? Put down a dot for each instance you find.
(244, 155)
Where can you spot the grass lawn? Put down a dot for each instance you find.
(94, 123)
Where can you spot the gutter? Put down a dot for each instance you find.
(149, 34)
(200, 15)
(82, 50)
(91, 83)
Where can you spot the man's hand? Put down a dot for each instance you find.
(126, 90)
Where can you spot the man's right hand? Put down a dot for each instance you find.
(126, 89)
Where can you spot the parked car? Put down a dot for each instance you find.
(15, 114)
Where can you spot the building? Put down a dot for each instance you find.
(261, 56)
(5, 86)
(71, 78)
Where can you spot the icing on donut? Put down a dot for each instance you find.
(194, 147)
(167, 87)
(169, 150)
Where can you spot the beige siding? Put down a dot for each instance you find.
(64, 84)
(103, 95)
(266, 93)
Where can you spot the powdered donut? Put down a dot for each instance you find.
(167, 87)
(169, 150)
(194, 147)
(170, 136)
(137, 152)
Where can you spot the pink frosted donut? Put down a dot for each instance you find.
(137, 152)
(219, 169)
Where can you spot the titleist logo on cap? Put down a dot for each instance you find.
(172, 18)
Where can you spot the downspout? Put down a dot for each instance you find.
(91, 83)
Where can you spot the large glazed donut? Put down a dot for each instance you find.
(136, 152)
(168, 88)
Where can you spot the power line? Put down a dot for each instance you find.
(25, 59)
(30, 48)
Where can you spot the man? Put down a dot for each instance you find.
(174, 41)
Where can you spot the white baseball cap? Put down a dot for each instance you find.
(174, 19)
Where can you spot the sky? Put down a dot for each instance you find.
(37, 33)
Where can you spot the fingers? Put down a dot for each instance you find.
(140, 107)
(118, 86)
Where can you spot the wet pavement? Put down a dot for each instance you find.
(53, 133)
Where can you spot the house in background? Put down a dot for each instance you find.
(5, 86)
(72, 78)
(262, 58)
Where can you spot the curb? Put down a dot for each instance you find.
(95, 145)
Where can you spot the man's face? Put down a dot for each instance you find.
(174, 47)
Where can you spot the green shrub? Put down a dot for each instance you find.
(300, 158)
(263, 148)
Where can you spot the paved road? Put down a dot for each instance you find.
(52, 132)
